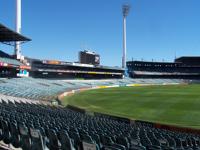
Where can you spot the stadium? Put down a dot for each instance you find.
(83, 105)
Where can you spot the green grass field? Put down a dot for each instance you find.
(169, 104)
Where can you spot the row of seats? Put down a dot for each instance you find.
(38, 126)
(45, 89)
(33, 88)
(5, 58)
(164, 68)
(10, 61)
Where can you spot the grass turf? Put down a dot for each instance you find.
(169, 104)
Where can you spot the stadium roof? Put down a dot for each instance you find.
(188, 57)
(9, 36)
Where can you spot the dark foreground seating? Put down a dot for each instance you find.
(41, 127)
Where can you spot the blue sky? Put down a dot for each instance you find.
(156, 29)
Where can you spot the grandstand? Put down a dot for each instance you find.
(9, 66)
(70, 70)
(47, 90)
(181, 68)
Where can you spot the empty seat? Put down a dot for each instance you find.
(66, 142)
(52, 144)
(15, 135)
(123, 141)
(36, 140)
(25, 137)
(6, 132)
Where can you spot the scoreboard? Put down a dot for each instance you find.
(86, 57)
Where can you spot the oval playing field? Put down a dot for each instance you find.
(169, 104)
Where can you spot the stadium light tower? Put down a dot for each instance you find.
(125, 11)
(18, 28)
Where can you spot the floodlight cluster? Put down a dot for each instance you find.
(125, 9)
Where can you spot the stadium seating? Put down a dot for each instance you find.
(5, 58)
(10, 61)
(32, 88)
(175, 70)
(45, 89)
(38, 126)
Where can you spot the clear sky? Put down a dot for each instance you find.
(156, 29)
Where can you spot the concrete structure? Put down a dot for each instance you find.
(125, 11)
(18, 28)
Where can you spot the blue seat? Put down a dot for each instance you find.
(25, 137)
(52, 144)
(36, 140)
(66, 142)
(15, 135)
(6, 132)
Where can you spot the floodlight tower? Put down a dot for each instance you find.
(18, 28)
(125, 11)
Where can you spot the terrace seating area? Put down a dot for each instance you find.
(10, 61)
(34, 88)
(37, 127)
(123, 82)
(169, 70)
(45, 89)
(5, 58)
(183, 68)
(31, 88)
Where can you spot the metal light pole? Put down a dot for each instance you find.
(125, 11)
(18, 28)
